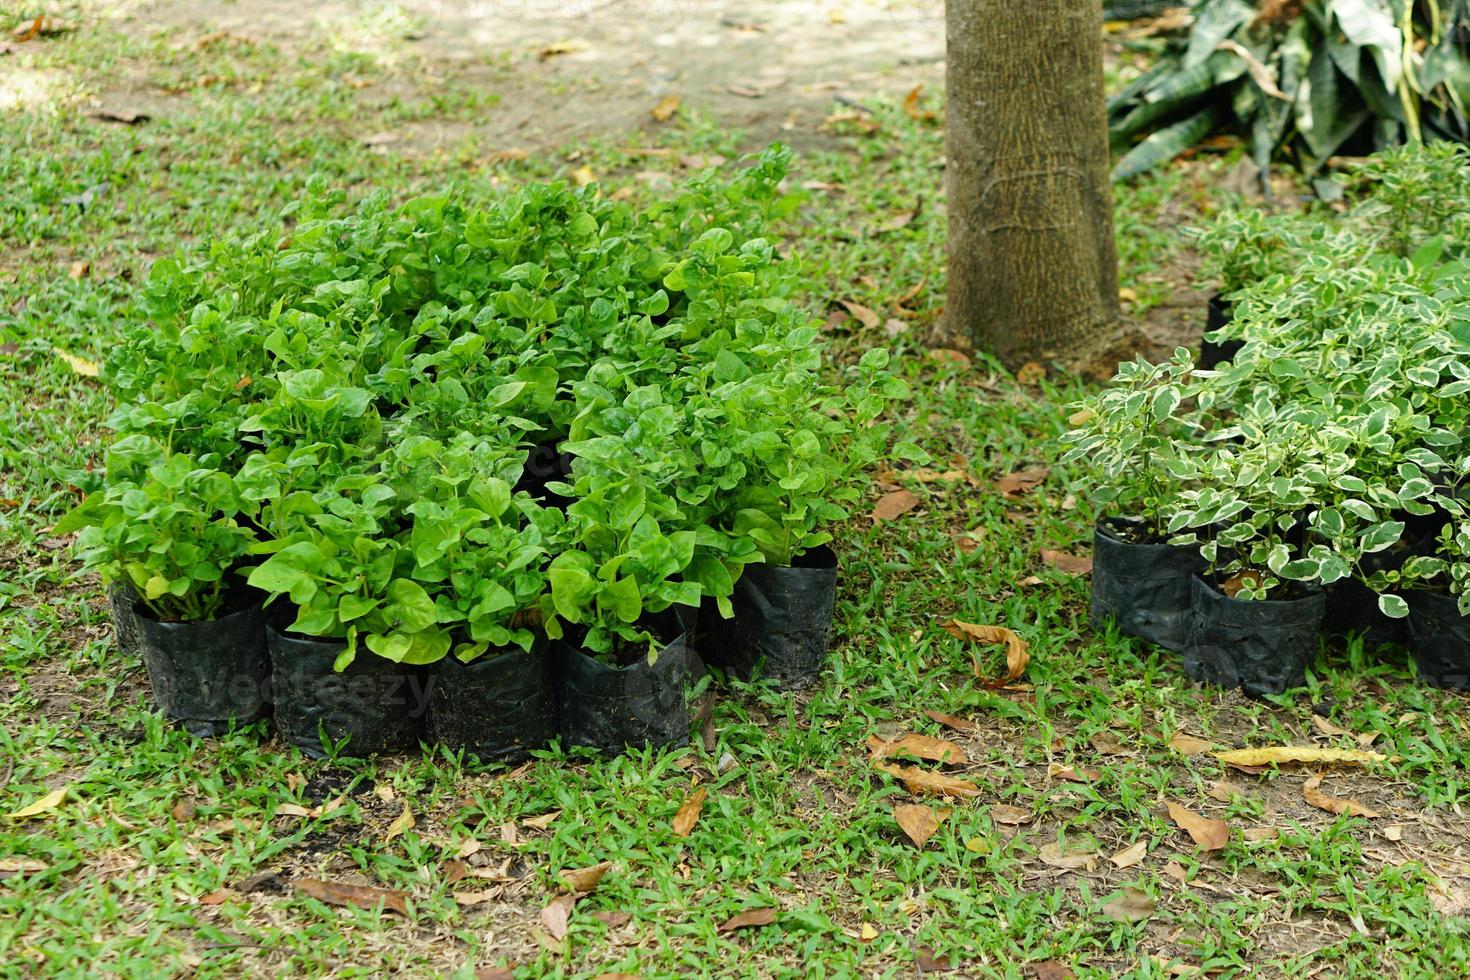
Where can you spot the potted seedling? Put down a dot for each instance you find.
(1133, 434)
(1439, 608)
(803, 448)
(166, 529)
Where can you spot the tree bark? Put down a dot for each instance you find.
(1033, 268)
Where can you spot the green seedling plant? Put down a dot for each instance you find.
(1140, 440)
(166, 525)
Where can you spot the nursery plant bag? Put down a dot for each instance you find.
(1143, 587)
(1439, 638)
(498, 707)
(782, 622)
(1352, 608)
(611, 708)
(1260, 646)
(121, 599)
(206, 675)
(376, 704)
(1212, 353)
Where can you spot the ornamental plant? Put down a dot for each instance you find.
(167, 525)
(1140, 442)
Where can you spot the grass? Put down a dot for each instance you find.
(141, 869)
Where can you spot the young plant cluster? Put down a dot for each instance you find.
(367, 418)
(1336, 443)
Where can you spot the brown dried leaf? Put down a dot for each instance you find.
(1066, 562)
(918, 746)
(404, 821)
(966, 543)
(1051, 970)
(689, 812)
(1133, 905)
(12, 866)
(666, 108)
(584, 879)
(1022, 481)
(128, 117)
(900, 220)
(214, 898)
(477, 898)
(1328, 728)
(1058, 771)
(1130, 855)
(455, 871)
(613, 920)
(927, 961)
(1210, 834)
(912, 108)
(512, 155)
(1070, 860)
(542, 821)
(750, 918)
(863, 314)
(1018, 653)
(561, 47)
(952, 722)
(362, 896)
(919, 822)
(1313, 794)
(891, 505)
(1186, 744)
(948, 355)
(926, 782)
(1010, 816)
(556, 917)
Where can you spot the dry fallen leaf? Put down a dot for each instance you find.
(1258, 834)
(1210, 834)
(363, 896)
(1328, 728)
(666, 108)
(542, 821)
(1022, 481)
(1069, 860)
(512, 155)
(919, 822)
(1298, 753)
(611, 919)
(561, 47)
(1010, 816)
(900, 220)
(748, 919)
(557, 916)
(1313, 794)
(947, 355)
(689, 812)
(50, 801)
(128, 117)
(918, 746)
(79, 269)
(583, 176)
(862, 314)
(911, 106)
(585, 879)
(1133, 905)
(1018, 653)
(891, 505)
(1065, 562)
(1131, 855)
(82, 366)
(1058, 771)
(1051, 970)
(950, 721)
(1394, 833)
(403, 822)
(933, 783)
(1186, 744)
(12, 866)
(1224, 791)
(380, 139)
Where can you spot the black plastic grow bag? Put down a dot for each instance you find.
(1352, 609)
(1439, 638)
(545, 463)
(1260, 646)
(782, 622)
(497, 707)
(1144, 588)
(206, 675)
(1211, 353)
(376, 704)
(611, 708)
(121, 599)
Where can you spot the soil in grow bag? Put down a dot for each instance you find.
(611, 707)
(1144, 587)
(1260, 646)
(782, 622)
(376, 704)
(545, 463)
(121, 598)
(1217, 315)
(207, 675)
(1439, 638)
(498, 706)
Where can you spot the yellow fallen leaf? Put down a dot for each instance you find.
(1018, 653)
(933, 783)
(82, 366)
(404, 822)
(1298, 753)
(583, 176)
(666, 108)
(50, 801)
(919, 746)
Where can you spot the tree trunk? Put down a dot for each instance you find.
(1033, 268)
